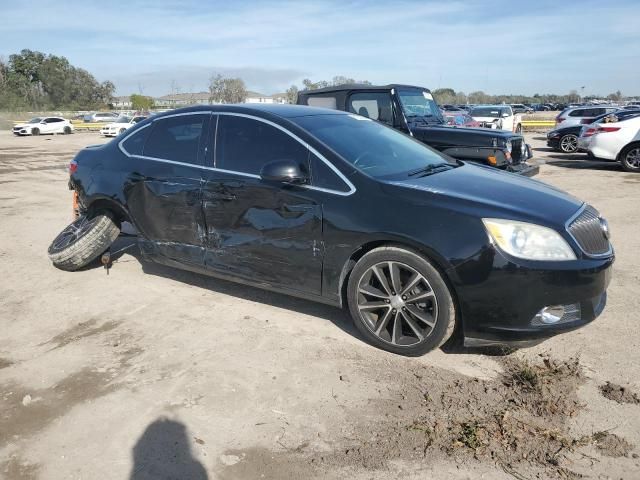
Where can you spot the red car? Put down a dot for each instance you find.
(460, 119)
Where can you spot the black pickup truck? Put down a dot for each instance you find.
(414, 111)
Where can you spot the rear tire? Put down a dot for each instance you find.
(83, 241)
(418, 318)
(519, 128)
(35, 131)
(630, 158)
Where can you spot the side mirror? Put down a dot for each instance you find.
(284, 171)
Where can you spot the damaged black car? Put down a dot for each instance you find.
(337, 208)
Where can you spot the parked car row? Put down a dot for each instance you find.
(121, 125)
(612, 136)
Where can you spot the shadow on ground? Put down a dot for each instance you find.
(163, 452)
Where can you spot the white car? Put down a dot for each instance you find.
(619, 141)
(120, 125)
(500, 117)
(43, 126)
(99, 117)
(587, 131)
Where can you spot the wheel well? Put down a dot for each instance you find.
(625, 148)
(115, 208)
(367, 247)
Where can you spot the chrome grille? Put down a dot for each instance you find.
(587, 230)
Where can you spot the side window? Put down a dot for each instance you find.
(373, 105)
(323, 102)
(135, 143)
(577, 113)
(323, 176)
(245, 145)
(53, 120)
(176, 138)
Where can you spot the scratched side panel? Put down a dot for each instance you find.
(267, 233)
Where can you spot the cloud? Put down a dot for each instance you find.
(499, 46)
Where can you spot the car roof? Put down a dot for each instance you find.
(279, 110)
(359, 86)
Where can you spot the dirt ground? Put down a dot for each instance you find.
(148, 372)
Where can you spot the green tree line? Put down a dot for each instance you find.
(32, 80)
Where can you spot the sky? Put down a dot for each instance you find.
(497, 46)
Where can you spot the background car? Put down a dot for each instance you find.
(460, 119)
(120, 125)
(564, 139)
(619, 142)
(521, 108)
(500, 117)
(581, 115)
(44, 126)
(453, 108)
(101, 117)
(587, 131)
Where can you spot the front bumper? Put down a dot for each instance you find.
(524, 168)
(499, 299)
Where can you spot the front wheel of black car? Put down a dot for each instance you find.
(83, 240)
(630, 158)
(399, 302)
(569, 143)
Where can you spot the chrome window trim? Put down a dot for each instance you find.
(568, 223)
(352, 188)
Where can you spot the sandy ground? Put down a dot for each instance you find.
(148, 372)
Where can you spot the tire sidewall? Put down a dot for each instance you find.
(35, 132)
(445, 320)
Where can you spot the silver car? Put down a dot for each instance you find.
(582, 115)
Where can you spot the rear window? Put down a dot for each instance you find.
(135, 143)
(577, 113)
(176, 138)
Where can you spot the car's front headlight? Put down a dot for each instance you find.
(528, 241)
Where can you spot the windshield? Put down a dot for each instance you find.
(123, 119)
(420, 104)
(372, 148)
(491, 112)
(35, 120)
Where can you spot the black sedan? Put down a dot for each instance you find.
(564, 139)
(337, 208)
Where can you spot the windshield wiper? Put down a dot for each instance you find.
(430, 169)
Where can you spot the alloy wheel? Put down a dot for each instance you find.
(397, 303)
(569, 143)
(632, 159)
(73, 232)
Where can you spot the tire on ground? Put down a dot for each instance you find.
(87, 247)
(446, 317)
(625, 161)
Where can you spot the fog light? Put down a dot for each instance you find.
(550, 315)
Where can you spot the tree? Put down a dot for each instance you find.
(616, 96)
(141, 102)
(292, 94)
(573, 96)
(479, 97)
(444, 95)
(336, 81)
(227, 90)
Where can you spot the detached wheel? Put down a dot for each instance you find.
(399, 302)
(569, 143)
(630, 158)
(83, 241)
(35, 131)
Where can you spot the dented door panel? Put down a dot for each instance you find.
(267, 233)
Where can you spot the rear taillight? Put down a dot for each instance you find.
(559, 120)
(588, 132)
(73, 167)
(607, 129)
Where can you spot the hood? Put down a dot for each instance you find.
(486, 192)
(23, 125)
(442, 135)
(113, 124)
